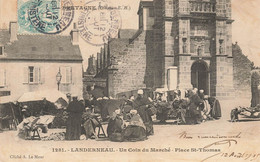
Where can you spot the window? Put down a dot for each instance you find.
(31, 72)
(33, 75)
(66, 73)
(2, 77)
(33, 48)
(1, 50)
(151, 12)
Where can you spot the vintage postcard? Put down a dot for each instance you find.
(129, 80)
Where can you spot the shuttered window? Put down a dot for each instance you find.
(2, 77)
(66, 73)
(33, 75)
(1, 50)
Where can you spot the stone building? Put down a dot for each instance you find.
(93, 85)
(31, 62)
(180, 44)
(242, 72)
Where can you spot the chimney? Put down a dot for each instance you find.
(74, 35)
(13, 31)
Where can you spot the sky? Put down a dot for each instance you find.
(245, 28)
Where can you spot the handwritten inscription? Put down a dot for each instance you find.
(231, 154)
(185, 135)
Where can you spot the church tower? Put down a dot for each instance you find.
(196, 48)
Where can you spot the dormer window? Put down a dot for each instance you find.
(33, 48)
(151, 12)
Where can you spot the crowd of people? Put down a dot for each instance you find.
(194, 108)
(133, 120)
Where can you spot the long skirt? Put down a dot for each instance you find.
(73, 129)
(134, 133)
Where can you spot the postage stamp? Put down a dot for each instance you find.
(99, 23)
(48, 16)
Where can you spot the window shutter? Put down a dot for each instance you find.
(42, 75)
(2, 77)
(36, 75)
(5, 77)
(25, 75)
(63, 74)
(68, 75)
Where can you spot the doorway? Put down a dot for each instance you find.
(200, 76)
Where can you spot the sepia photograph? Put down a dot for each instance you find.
(129, 80)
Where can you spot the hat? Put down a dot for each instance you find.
(25, 106)
(201, 91)
(26, 121)
(140, 91)
(87, 109)
(133, 111)
(117, 111)
(132, 98)
(68, 94)
(81, 99)
(105, 98)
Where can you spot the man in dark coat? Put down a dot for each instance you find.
(141, 104)
(75, 110)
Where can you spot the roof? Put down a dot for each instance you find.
(118, 45)
(126, 33)
(40, 47)
(145, 3)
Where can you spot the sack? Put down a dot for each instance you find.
(116, 137)
(152, 111)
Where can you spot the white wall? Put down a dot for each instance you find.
(15, 78)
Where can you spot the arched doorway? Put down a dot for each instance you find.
(199, 76)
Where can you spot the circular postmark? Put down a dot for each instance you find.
(49, 16)
(99, 23)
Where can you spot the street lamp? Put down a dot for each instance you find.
(58, 79)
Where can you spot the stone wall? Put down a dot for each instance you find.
(133, 67)
(242, 72)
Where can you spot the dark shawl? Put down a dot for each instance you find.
(216, 109)
(114, 125)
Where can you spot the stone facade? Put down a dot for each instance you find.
(180, 44)
(242, 73)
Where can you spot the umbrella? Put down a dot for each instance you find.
(6, 99)
(50, 95)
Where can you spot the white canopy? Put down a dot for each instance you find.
(6, 99)
(50, 95)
